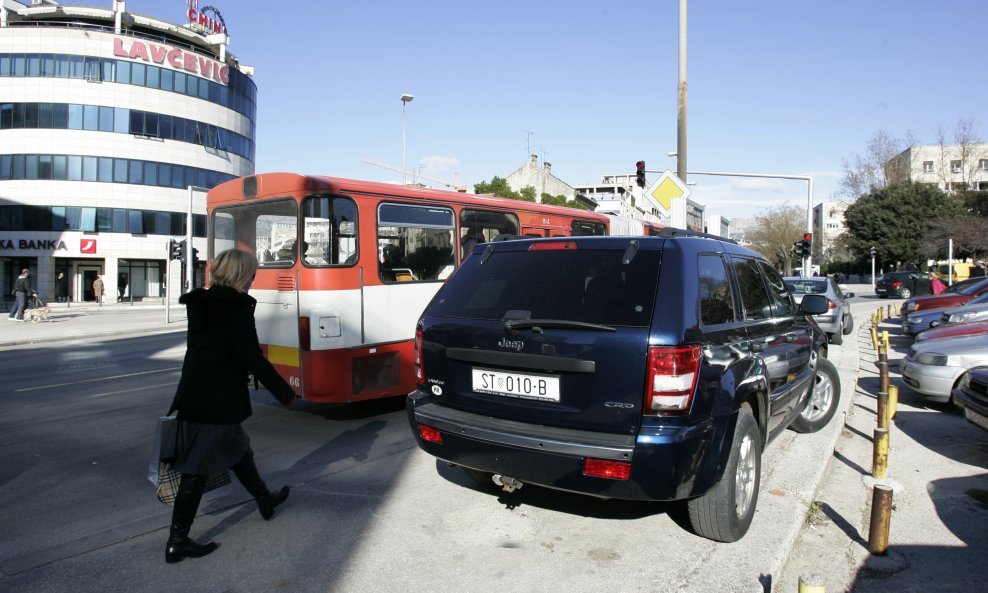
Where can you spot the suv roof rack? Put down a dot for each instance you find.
(671, 232)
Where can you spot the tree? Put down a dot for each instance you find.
(498, 186)
(775, 232)
(877, 168)
(560, 200)
(896, 219)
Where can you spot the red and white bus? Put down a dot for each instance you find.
(347, 267)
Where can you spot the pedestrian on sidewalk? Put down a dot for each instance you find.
(61, 287)
(22, 289)
(98, 290)
(213, 400)
(936, 284)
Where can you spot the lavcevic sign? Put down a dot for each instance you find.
(207, 21)
(178, 59)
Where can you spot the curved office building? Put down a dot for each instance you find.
(107, 118)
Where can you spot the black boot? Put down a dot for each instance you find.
(267, 503)
(246, 472)
(187, 499)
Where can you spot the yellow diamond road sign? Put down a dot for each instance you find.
(665, 189)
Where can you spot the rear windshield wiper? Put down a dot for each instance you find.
(538, 324)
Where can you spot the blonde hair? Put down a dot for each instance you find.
(234, 268)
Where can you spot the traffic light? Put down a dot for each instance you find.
(874, 251)
(640, 173)
(797, 247)
(195, 255)
(807, 243)
(176, 249)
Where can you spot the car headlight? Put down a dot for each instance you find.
(932, 359)
(960, 317)
(965, 381)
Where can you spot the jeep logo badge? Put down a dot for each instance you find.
(515, 345)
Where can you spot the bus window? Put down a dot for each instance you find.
(267, 229)
(585, 227)
(329, 231)
(482, 226)
(414, 243)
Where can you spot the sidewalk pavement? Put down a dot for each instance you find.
(937, 465)
(88, 320)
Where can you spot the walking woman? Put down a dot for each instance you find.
(213, 399)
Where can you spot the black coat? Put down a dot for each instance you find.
(222, 349)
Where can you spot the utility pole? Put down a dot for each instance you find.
(681, 127)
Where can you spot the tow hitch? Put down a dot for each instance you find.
(507, 483)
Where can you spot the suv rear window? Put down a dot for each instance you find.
(590, 285)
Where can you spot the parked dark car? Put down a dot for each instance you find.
(637, 368)
(902, 285)
(837, 322)
(972, 396)
(944, 300)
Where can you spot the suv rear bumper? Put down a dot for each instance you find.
(667, 462)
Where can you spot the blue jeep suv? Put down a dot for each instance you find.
(645, 368)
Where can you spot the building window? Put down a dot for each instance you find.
(983, 164)
(927, 166)
(955, 166)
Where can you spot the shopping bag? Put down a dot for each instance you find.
(162, 473)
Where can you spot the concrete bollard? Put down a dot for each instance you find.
(881, 520)
(880, 453)
(893, 400)
(811, 583)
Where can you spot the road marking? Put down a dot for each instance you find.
(141, 388)
(98, 379)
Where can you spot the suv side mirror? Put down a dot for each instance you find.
(813, 304)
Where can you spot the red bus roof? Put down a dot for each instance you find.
(273, 184)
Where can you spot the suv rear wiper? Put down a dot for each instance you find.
(538, 324)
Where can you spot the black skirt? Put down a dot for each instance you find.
(204, 449)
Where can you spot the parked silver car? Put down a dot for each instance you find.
(837, 322)
(973, 310)
(934, 367)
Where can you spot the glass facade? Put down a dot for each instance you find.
(110, 220)
(89, 168)
(240, 95)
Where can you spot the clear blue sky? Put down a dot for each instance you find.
(783, 87)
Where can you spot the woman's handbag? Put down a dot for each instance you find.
(162, 473)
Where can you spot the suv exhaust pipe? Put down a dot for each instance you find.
(507, 483)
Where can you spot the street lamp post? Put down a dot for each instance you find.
(405, 98)
(874, 251)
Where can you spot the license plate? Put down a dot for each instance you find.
(976, 418)
(523, 385)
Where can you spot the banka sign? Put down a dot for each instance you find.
(207, 20)
(176, 58)
(32, 244)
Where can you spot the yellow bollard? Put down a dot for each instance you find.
(896, 308)
(880, 454)
(811, 583)
(889, 309)
(880, 318)
(881, 520)
(874, 338)
(893, 400)
(885, 340)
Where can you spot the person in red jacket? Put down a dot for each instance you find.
(213, 400)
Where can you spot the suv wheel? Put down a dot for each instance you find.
(724, 513)
(824, 396)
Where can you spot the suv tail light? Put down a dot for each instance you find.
(672, 374)
(831, 305)
(555, 246)
(419, 368)
(896, 284)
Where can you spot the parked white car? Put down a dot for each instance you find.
(934, 367)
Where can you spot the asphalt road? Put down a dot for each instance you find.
(368, 511)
